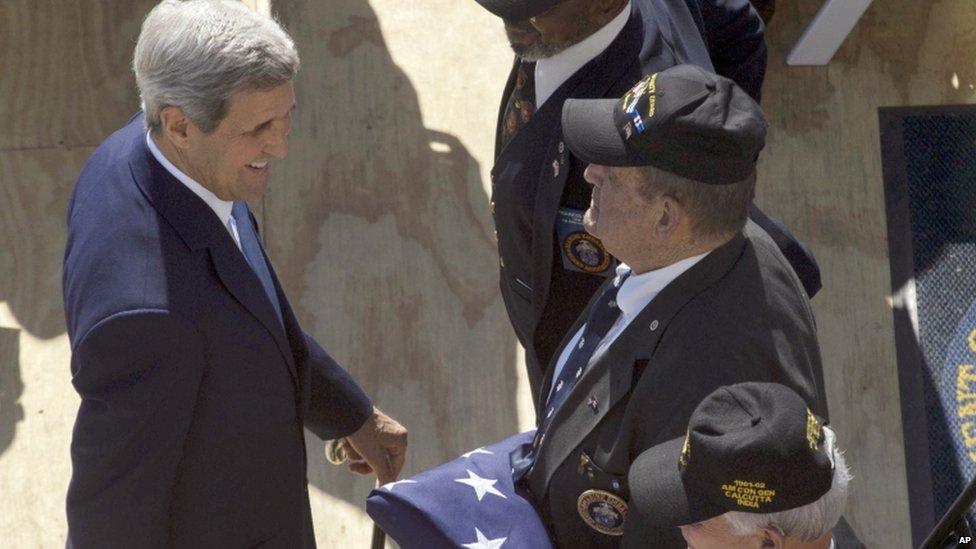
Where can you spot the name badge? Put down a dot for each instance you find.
(581, 251)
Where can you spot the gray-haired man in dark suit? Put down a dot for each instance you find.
(702, 299)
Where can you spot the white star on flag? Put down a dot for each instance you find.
(477, 451)
(389, 486)
(483, 542)
(481, 486)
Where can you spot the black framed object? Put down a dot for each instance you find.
(929, 165)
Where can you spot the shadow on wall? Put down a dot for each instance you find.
(11, 386)
(380, 232)
(32, 227)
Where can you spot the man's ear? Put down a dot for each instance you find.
(175, 126)
(670, 217)
(772, 538)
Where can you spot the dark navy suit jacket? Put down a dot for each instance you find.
(193, 396)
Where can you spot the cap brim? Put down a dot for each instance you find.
(658, 497)
(517, 10)
(589, 130)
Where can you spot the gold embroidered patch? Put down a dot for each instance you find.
(647, 86)
(813, 430)
(685, 450)
(749, 494)
(603, 511)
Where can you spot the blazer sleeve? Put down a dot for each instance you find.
(337, 406)
(736, 39)
(138, 374)
(799, 255)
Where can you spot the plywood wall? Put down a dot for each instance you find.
(821, 173)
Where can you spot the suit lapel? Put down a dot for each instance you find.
(509, 86)
(240, 280)
(610, 376)
(199, 227)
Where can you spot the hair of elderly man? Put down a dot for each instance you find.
(714, 210)
(194, 54)
(808, 522)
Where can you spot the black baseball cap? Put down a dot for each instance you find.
(517, 10)
(683, 120)
(750, 447)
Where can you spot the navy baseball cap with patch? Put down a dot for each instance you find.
(750, 447)
(683, 120)
(517, 10)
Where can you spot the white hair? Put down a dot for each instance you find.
(193, 54)
(808, 522)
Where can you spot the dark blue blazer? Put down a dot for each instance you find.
(193, 396)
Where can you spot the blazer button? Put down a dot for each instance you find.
(501, 261)
(491, 207)
(562, 147)
(654, 325)
(496, 236)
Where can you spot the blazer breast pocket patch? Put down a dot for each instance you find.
(581, 251)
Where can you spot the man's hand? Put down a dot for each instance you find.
(379, 446)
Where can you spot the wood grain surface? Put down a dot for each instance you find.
(64, 70)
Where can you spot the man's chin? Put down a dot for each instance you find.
(536, 51)
(251, 190)
(590, 226)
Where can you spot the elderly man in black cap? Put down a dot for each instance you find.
(701, 299)
(755, 469)
(591, 49)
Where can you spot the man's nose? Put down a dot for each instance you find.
(277, 146)
(595, 174)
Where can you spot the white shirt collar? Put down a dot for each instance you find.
(551, 72)
(638, 290)
(220, 207)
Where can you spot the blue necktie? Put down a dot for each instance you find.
(253, 253)
(603, 314)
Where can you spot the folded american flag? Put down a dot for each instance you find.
(469, 502)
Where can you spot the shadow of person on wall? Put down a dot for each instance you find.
(379, 229)
(11, 387)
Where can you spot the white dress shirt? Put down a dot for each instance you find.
(551, 72)
(220, 207)
(636, 293)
